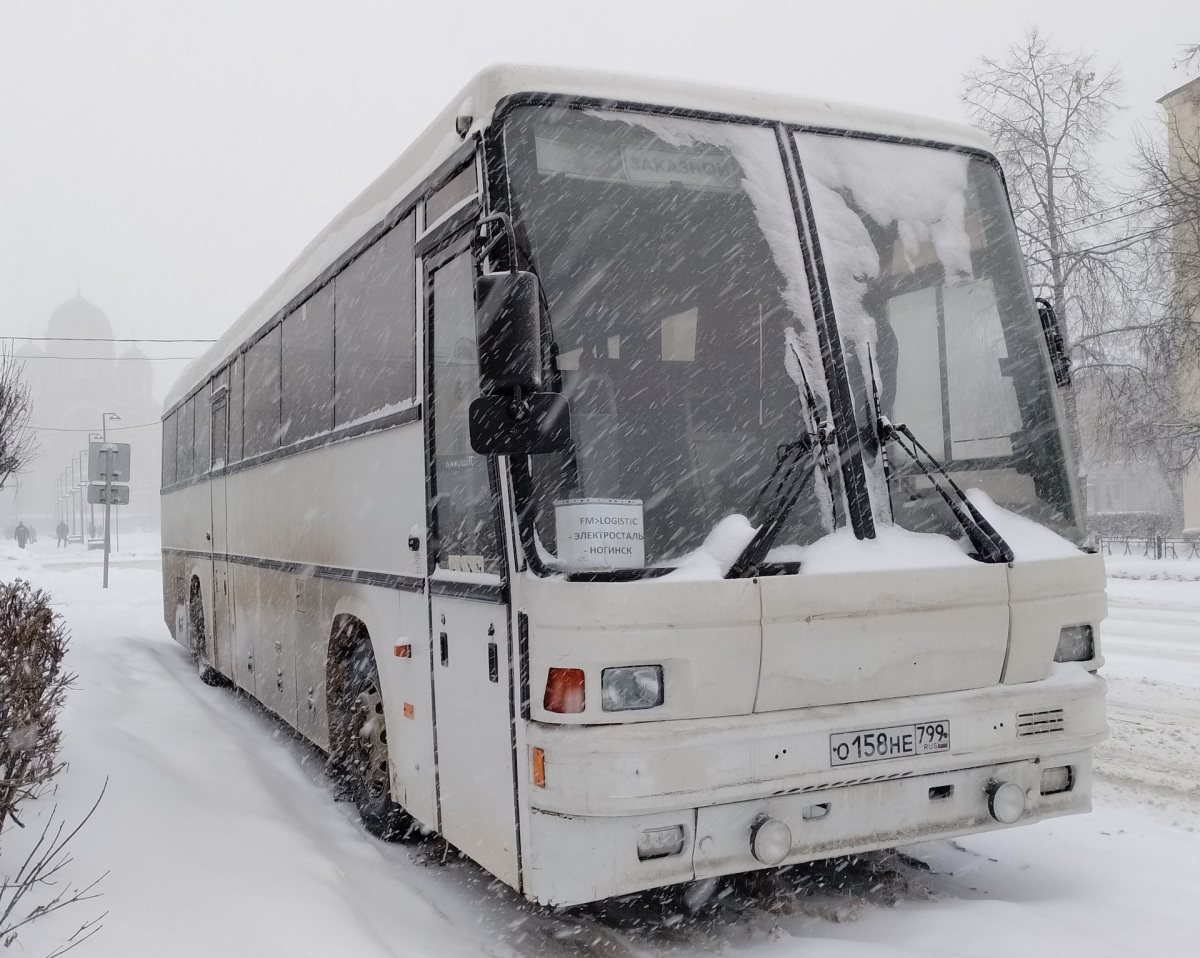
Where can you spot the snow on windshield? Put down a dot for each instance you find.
(682, 319)
(757, 153)
(921, 191)
(933, 306)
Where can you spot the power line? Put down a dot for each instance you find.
(1112, 219)
(111, 359)
(1116, 206)
(140, 425)
(1116, 242)
(101, 339)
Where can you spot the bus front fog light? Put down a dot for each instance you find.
(1056, 780)
(1076, 643)
(771, 841)
(660, 842)
(1006, 802)
(631, 687)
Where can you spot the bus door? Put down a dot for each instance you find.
(468, 609)
(221, 644)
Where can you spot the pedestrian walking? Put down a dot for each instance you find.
(62, 531)
(22, 534)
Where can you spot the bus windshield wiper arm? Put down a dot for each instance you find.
(989, 545)
(793, 471)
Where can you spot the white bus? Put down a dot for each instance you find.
(642, 482)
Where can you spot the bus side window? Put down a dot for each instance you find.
(262, 394)
(236, 375)
(170, 437)
(202, 452)
(375, 327)
(308, 368)
(463, 524)
(187, 440)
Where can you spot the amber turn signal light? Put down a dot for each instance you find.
(539, 768)
(564, 691)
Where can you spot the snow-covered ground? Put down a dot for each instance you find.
(220, 835)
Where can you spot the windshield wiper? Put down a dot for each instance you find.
(989, 546)
(823, 431)
(793, 471)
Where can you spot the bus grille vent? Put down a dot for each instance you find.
(1040, 723)
(844, 782)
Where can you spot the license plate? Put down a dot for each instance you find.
(894, 741)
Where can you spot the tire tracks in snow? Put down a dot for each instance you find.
(1152, 639)
(1152, 742)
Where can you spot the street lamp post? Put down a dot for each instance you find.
(108, 461)
(82, 485)
(91, 513)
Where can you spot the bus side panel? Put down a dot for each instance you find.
(275, 659)
(175, 519)
(398, 623)
(173, 593)
(245, 629)
(186, 524)
(313, 618)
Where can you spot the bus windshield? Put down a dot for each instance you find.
(681, 328)
(939, 328)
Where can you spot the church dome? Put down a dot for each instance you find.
(79, 319)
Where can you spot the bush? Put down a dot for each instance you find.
(33, 686)
(1131, 525)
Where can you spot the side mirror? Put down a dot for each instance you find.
(1059, 360)
(507, 316)
(503, 426)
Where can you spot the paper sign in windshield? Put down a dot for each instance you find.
(600, 533)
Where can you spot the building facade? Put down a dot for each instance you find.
(1182, 108)
(76, 376)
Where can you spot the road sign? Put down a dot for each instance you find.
(108, 461)
(118, 495)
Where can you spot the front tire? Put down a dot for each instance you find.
(366, 766)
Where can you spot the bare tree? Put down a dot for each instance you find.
(1047, 111)
(1159, 398)
(1190, 57)
(18, 446)
(39, 888)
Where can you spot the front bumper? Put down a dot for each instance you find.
(577, 860)
(718, 777)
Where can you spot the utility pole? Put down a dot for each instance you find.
(108, 457)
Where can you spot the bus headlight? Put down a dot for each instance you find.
(631, 687)
(1075, 644)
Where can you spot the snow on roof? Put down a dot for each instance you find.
(478, 99)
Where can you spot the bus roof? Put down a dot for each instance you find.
(478, 100)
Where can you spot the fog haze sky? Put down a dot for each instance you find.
(170, 159)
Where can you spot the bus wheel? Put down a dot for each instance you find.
(366, 767)
(208, 675)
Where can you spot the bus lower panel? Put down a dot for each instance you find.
(576, 859)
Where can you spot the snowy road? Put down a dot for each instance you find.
(221, 836)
